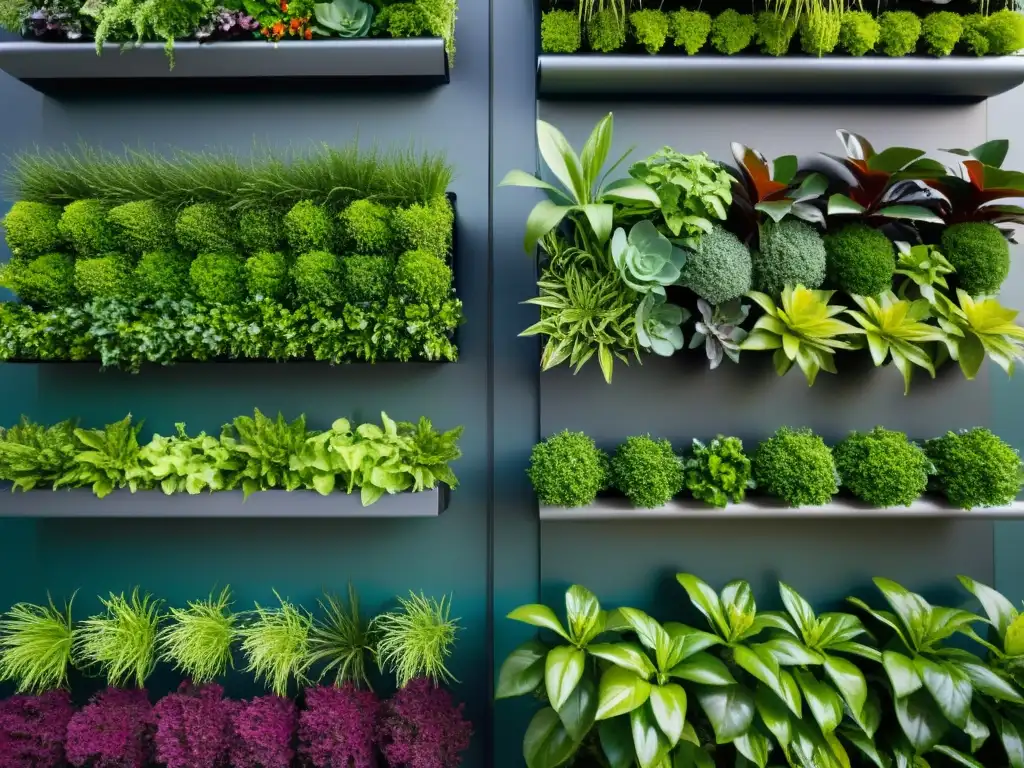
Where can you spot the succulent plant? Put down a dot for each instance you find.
(646, 259)
(719, 330)
(344, 18)
(658, 325)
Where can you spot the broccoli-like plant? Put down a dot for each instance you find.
(899, 32)
(689, 29)
(980, 255)
(206, 228)
(142, 226)
(104, 277)
(84, 227)
(732, 31)
(416, 639)
(796, 466)
(973, 38)
(32, 229)
(33, 729)
(163, 274)
(421, 727)
(882, 467)
(115, 729)
(266, 274)
(425, 227)
(792, 253)
(720, 269)
(647, 471)
(121, 641)
(774, 32)
(423, 278)
(367, 227)
(308, 227)
(261, 228)
(194, 727)
(606, 31)
(941, 31)
(46, 281)
(264, 731)
(719, 472)
(860, 260)
(649, 28)
(336, 728)
(819, 31)
(975, 468)
(317, 277)
(859, 32)
(559, 32)
(218, 278)
(366, 278)
(568, 470)
(1005, 32)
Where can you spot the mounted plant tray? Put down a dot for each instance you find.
(840, 509)
(69, 69)
(82, 503)
(951, 79)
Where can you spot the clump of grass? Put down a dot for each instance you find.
(121, 642)
(276, 645)
(35, 647)
(342, 641)
(416, 640)
(198, 639)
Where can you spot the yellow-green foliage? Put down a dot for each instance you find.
(882, 467)
(973, 37)
(559, 32)
(308, 227)
(649, 28)
(859, 32)
(732, 32)
(941, 32)
(317, 279)
(567, 470)
(425, 227)
(163, 274)
(774, 32)
(860, 260)
(975, 468)
(32, 229)
(206, 228)
(367, 227)
(218, 278)
(647, 471)
(796, 466)
(606, 32)
(423, 277)
(689, 29)
(1005, 32)
(819, 31)
(104, 277)
(367, 277)
(261, 228)
(899, 33)
(266, 274)
(84, 227)
(45, 281)
(142, 226)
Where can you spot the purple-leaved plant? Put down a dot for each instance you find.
(421, 727)
(114, 730)
(224, 24)
(264, 733)
(193, 727)
(336, 730)
(32, 730)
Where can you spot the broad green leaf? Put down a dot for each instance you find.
(626, 655)
(970, 354)
(958, 757)
(544, 217)
(799, 609)
(619, 692)
(864, 743)
(893, 159)
(763, 667)
(579, 710)
(524, 179)
(617, 742)
(770, 620)
(688, 641)
(825, 703)
(737, 601)
(912, 609)
(977, 731)
(910, 213)
(849, 681)
(547, 744)
(789, 652)
(837, 628)
(999, 610)
(950, 688)
(774, 713)
(668, 705)
(705, 600)
(601, 218)
(689, 755)
(582, 614)
(539, 616)
(649, 743)
(563, 669)
(560, 157)
(595, 151)
(989, 683)
(651, 634)
(1010, 738)
(522, 671)
(841, 204)
(754, 746)
(729, 708)
(858, 649)
(703, 668)
(902, 673)
(921, 721)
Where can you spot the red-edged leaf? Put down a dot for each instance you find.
(755, 167)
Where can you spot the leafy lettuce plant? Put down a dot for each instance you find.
(106, 459)
(980, 327)
(183, 464)
(32, 455)
(35, 647)
(646, 259)
(265, 447)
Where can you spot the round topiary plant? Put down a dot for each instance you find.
(367, 278)
(317, 279)
(796, 466)
(980, 255)
(975, 468)
(819, 32)
(44, 282)
(425, 227)
(689, 29)
(792, 253)
(649, 28)
(647, 471)
(32, 229)
(720, 268)
(882, 467)
(559, 32)
(899, 32)
(567, 470)
(422, 277)
(859, 32)
(104, 277)
(1005, 32)
(218, 278)
(84, 226)
(732, 31)
(308, 227)
(367, 227)
(859, 260)
(142, 226)
(206, 228)
(973, 38)
(163, 275)
(941, 31)
(261, 229)
(266, 275)
(606, 32)
(774, 32)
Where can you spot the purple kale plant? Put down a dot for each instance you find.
(423, 728)
(264, 733)
(114, 730)
(224, 24)
(32, 730)
(336, 730)
(194, 727)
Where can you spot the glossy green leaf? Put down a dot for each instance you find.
(729, 708)
(705, 600)
(841, 204)
(619, 692)
(913, 610)
(885, 617)
(921, 721)
(999, 610)
(617, 742)
(703, 668)
(539, 616)
(668, 705)
(825, 704)
(547, 744)
(580, 709)
(799, 609)
(687, 641)
(522, 671)
(902, 673)
(1010, 737)
(977, 731)
(774, 714)
(560, 157)
(563, 669)
(988, 682)
(910, 213)
(737, 601)
(864, 744)
(583, 614)
(626, 655)
(689, 755)
(648, 742)
(544, 217)
(754, 746)
(651, 634)
(950, 688)
(958, 757)
(858, 649)
(789, 652)
(595, 151)
(849, 681)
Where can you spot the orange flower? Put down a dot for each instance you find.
(278, 29)
(284, 6)
(309, 34)
(295, 24)
(264, 31)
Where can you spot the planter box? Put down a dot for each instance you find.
(840, 509)
(82, 503)
(76, 69)
(951, 79)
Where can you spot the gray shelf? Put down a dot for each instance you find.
(82, 503)
(962, 79)
(621, 509)
(71, 68)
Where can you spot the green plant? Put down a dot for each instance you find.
(1004, 30)
(344, 18)
(559, 32)
(941, 32)
(206, 228)
(973, 37)
(275, 642)
(658, 325)
(882, 467)
(924, 268)
(261, 228)
(122, 641)
(775, 190)
(146, 19)
(141, 226)
(719, 269)
(425, 226)
(104, 277)
(318, 278)
(796, 466)
(859, 260)
(649, 28)
(899, 32)
(606, 31)
(689, 29)
(267, 447)
(975, 468)
(218, 278)
(647, 261)
(647, 471)
(197, 639)
(719, 472)
(46, 281)
(367, 226)
(859, 32)
(308, 227)
(718, 329)
(32, 455)
(791, 253)
(83, 225)
(107, 458)
(342, 641)
(416, 639)
(423, 277)
(819, 30)
(732, 32)
(13, 14)
(183, 464)
(403, 20)
(163, 274)
(433, 17)
(978, 328)
(367, 278)
(774, 32)
(979, 254)
(568, 470)
(32, 229)
(266, 274)
(35, 647)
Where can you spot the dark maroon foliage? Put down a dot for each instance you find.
(193, 727)
(32, 730)
(336, 730)
(423, 728)
(114, 730)
(264, 732)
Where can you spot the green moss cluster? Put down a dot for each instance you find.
(792, 253)
(689, 29)
(266, 274)
(720, 269)
(32, 229)
(859, 260)
(973, 38)
(649, 28)
(404, 20)
(261, 229)
(732, 31)
(425, 227)
(941, 32)
(559, 32)
(308, 227)
(774, 32)
(163, 274)
(44, 282)
(317, 278)
(567, 470)
(647, 471)
(141, 226)
(606, 32)
(796, 466)
(367, 277)
(1005, 32)
(423, 278)
(104, 277)
(975, 468)
(718, 473)
(218, 278)
(899, 32)
(84, 226)
(980, 255)
(819, 31)
(882, 468)
(859, 32)
(367, 227)
(206, 228)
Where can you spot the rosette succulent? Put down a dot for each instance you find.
(646, 259)
(658, 325)
(719, 330)
(344, 18)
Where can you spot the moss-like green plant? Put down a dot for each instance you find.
(141, 227)
(206, 228)
(941, 31)
(774, 32)
(317, 278)
(819, 31)
(425, 227)
(647, 471)
(975, 468)
(882, 467)
(559, 32)
(980, 255)
(261, 228)
(308, 227)
(606, 31)
(1005, 32)
(649, 28)
(84, 226)
(122, 641)
(163, 274)
(404, 20)
(266, 274)
(35, 647)
(720, 269)
(367, 227)
(45, 281)
(860, 260)
(859, 32)
(367, 278)
(792, 253)
(32, 229)
(275, 642)
(104, 277)
(341, 640)
(568, 470)
(719, 472)
(973, 37)
(689, 29)
(416, 640)
(796, 466)
(218, 278)
(732, 31)
(423, 277)
(899, 32)
(197, 640)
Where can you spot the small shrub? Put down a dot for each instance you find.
(941, 32)
(975, 468)
(567, 470)
(317, 278)
(899, 32)
(193, 727)
(45, 281)
(647, 471)
(882, 468)
(114, 730)
(32, 229)
(980, 255)
(720, 269)
(649, 28)
(774, 32)
(206, 228)
(606, 32)
(860, 260)
(163, 274)
(689, 29)
(366, 278)
(423, 278)
(218, 278)
(792, 253)
(104, 277)
(308, 227)
(425, 227)
(859, 32)
(264, 731)
(33, 730)
(559, 32)
(266, 274)
(337, 727)
(84, 226)
(141, 227)
(819, 31)
(718, 473)
(973, 37)
(732, 32)
(796, 466)
(405, 20)
(367, 227)
(421, 727)
(1005, 32)
(261, 229)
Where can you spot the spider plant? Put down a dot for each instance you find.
(416, 640)
(122, 641)
(341, 640)
(35, 646)
(198, 638)
(275, 642)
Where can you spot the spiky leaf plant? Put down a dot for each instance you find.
(198, 638)
(276, 644)
(122, 641)
(342, 641)
(416, 640)
(35, 646)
